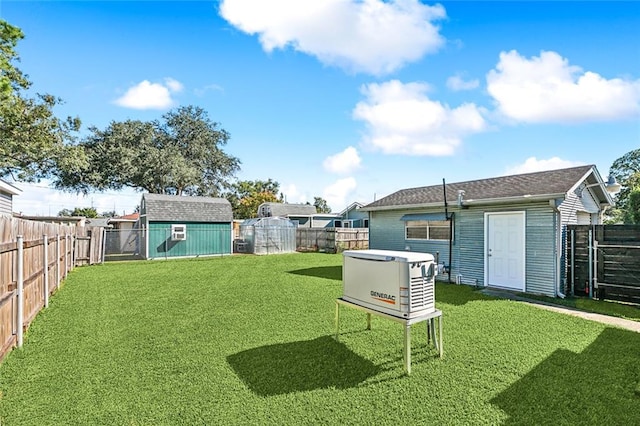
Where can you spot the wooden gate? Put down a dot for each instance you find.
(603, 261)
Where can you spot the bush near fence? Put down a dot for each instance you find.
(34, 259)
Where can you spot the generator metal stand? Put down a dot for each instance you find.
(429, 318)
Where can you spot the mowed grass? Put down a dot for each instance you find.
(249, 340)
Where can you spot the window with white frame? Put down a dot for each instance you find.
(427, 230)
(178, 232)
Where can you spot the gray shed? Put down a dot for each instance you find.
(505, 232)
(269, 235)
(177, 226)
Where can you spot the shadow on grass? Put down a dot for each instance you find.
(301, 366)
(458, 294)
(328, 272)
(596, 386)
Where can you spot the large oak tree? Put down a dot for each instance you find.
(181, 154)
(35, 143)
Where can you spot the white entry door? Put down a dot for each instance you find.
(505, 249)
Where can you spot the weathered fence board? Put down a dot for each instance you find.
(34, 259)
(331, 239)
(604, 261)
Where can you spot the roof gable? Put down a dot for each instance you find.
(176, 208)
(551, 183)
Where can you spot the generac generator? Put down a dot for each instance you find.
(398, 283)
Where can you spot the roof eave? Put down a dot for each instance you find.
(8, 188)
(471, 202)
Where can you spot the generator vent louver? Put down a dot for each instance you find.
(422, 294)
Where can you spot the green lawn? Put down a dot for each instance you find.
(248, 340)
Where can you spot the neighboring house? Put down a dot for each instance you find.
(123, 235)
(176, 226)
(505, 232)
(304, 215)
(7, 191)
(353, 217)
(126, 222)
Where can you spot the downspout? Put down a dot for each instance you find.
(446, 215)
(557, 222)
(450, 245)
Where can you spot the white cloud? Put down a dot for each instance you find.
(337, 194)
(548, 89)
(372, 36)
(457, 83)
(209, 87)
(532, 164)
(293, 195)
(343, 162)
(147, 95)
(401, 119)
(173, 85)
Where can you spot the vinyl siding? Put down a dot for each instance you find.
(470, 237)
(386, 231)
(574, 204)
(5, 203)
(203, 239)
(541, 251)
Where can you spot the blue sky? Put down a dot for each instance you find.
(343, 99)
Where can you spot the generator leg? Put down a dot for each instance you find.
(368, 321)
(407, 348)
(432, 322)
(440, 335)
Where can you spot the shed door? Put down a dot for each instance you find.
(505, 249)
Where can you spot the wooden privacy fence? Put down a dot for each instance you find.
(603, 261)
(34, 259)
(332, 239)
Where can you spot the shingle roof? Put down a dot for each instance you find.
(529, 184)
(175, 208)
(284, 209)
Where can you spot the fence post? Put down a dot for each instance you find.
(103, 246)
(594, 256)
(590, 284)
(73, 251)
(20, 295)
(573, 261)
(66, 248)
(45, 244)
(57, 260)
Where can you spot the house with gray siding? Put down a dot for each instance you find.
(180, 226)
(504, 232)
(7, 192)
(304, 215)
(353, 217)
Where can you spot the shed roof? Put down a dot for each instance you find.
(551, 184)
(176, 208)
(285, 209)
